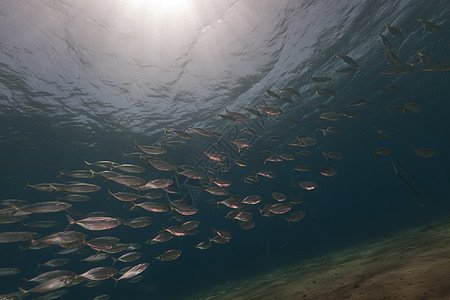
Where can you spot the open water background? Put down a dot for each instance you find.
(81, 81)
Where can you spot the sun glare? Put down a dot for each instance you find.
(165, 6)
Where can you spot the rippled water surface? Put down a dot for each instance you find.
(83, 80)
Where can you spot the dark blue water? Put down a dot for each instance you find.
(82, 82)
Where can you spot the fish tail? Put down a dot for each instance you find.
(71, 222)
(115, 281)
(374, 153)
(25, 281)
(87, 163)
(136, 145)
(22, 292)
(324, 131)
(165, 130)
(134, 205)
(92, 173)
(60, 174)
(114, 261)
(287, 220)
(324, 154)
(27, 184)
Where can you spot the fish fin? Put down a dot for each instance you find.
(22, 292)
(71, 222)
(260, 211)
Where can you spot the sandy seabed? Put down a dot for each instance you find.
(412, 264)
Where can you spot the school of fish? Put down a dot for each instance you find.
(128, 184)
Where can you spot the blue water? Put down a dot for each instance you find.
(82, 81)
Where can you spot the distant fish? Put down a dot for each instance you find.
(424, 152)
(291, 91)
(105, 164)
(272, 94)
(279, 208)
(398, 69)
(237, 116)
(124, 196)
(252, 199)
(152, 207)
(442, 66)
(347, 70)
(253, 111)
(320, 79)
(151, 150)
(173, 144)
(348, 60)
(429, 26)
(279, 196)
(129, 181)
(99, 273)
(296, 216)
(218, 191)
(333, 155)
(226, 117)
(308, 185)
(133, 272)
(325, 92)
(129, 168)
(334, 130)
(392, 57)
(247, 225)
(394, 31)
(381, 151)
(328, 171)
(348, 114)
(385, 41)
(201, 131)
(169, 255)
(9, 272)
(82, 174)
(179, 133)
(156, 184)
(330, 116)
(391, 88)
(382, 133)
(266, 173)
(139, 222)
(425, 58)
(360, 102)
(95, 223)
(271, 110)
(204, 245)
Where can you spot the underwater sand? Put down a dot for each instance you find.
(412, 264)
